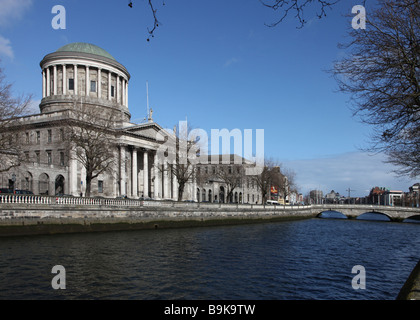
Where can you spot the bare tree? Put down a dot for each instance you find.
(180, 151)
(285, 7)
(92, 140)
(270, 176)
(231, 175)
(11, 108)
(156, 22)
(382, 74)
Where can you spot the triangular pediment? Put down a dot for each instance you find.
(149, 130)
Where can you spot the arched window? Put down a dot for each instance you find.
(59, 185)
(44, 181)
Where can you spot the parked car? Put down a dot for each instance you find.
(6, 191)
(273, 202)
(17, 191)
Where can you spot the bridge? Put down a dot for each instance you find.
(355, 210)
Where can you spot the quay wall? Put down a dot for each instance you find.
(411, 288)
(53, 218)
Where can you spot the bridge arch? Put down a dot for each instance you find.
(413, 219)
(331, 214)
(374, 215)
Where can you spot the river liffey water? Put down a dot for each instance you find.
(305, 259)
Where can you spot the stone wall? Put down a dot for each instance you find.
(18, 219)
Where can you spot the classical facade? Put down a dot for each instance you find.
(82, 73)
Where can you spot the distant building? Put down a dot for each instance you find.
(412, 198)
(392, 197)
(375, 195)
(332, 197)
(316, 196)
(214, 181)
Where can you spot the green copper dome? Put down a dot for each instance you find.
(85, 48)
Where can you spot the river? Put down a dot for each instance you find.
(305, 259)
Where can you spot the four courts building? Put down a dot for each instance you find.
(82, 74)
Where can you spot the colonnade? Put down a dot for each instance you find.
(135, 175)
(116, 85)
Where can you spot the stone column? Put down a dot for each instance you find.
(165, 181)
(117, 93)
(64, 79)
(134, 173)
(126, 93)
(87, 81)
(194, 185)
(43, 83)
(122, 91)
(48, 82)
(83, 181)
(109, 85)
(75, 79)
(72, 174)
(115, 174)
(122, 171)
(55, 79)
(156, 188)
(99, 83)
(145, 174)
(174, 186)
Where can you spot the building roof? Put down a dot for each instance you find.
(85, 48)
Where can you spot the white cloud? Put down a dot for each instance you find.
(13, 10)
(230, 62)
(358, 171)
(6, 48)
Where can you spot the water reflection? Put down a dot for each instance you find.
(373, 216)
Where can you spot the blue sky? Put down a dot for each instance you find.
(217, 64)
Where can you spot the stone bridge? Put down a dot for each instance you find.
(353, 211)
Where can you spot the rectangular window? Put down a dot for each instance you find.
(93, 86)
(71, 84)
(112, 91)
(27, 137)
(38, 157)
(62, 158)
(49, 136)
(62, 134)
(49, 157)
(100, 186)
(38, 137)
